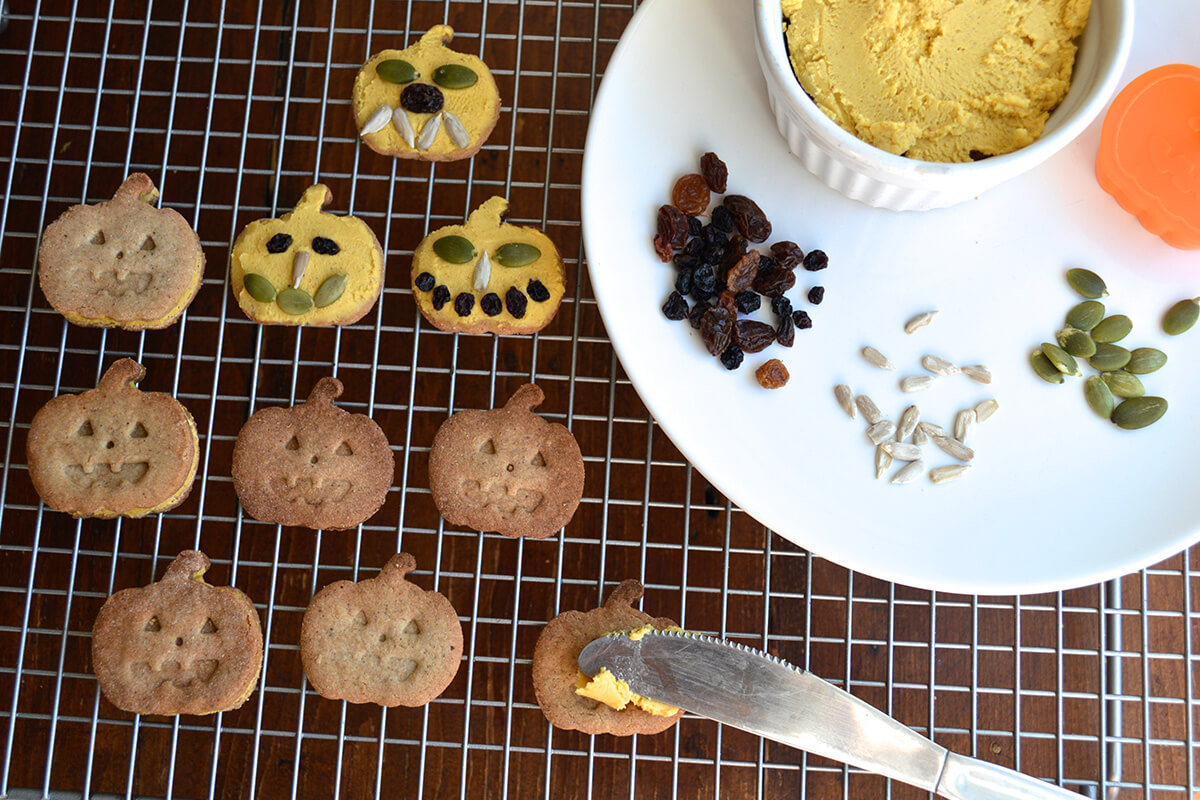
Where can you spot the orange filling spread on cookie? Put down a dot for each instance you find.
(610, 690)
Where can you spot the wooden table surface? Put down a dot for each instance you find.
(235, 108)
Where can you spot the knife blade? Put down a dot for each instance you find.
(748, 689)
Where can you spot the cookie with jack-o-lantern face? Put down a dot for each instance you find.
(123, 263)
(427, 101)
(313, 464)
(179, 646)
(488, 276)
(383, 640)
(114, 450)
(308, 267)
(506, 470)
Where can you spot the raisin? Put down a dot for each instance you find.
(424, 282)
(748, 218)
(716, 329)
(753, 336)
(726, 301)
(279, 243)
(732, 357)
(700, 295)
(671, 232)
(801, 319)
(772, 374)
(421, 98)
(747, 302)
(515, 300)
(705, 280)
(690, 194)
(694, 226)
(695, 246)
(464, 303)
(490, 304)
(721, 219)
(441, 296)
(781, 306)
(713, 253)
(816, 260)
(684, 261)
(715, 173)
(326, 247)
(816, 294)
(683, 281)
(774, 280)
(697, 313)
(740, 275)
(787, 254)
(675, 307)
(786, 333)
(714, 235)
(537, 292)
(663, 248)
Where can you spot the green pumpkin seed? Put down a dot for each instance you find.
(1044, 369)
(1086, 282)
(517, 254)
(1076, 342)
(1112, 329)
(1063, 361)
(1109, 357)
(1123, 384)
(1085, 315)
(454, 76)
(1139, 412)
(330, 290)
(258, 287)
(396, 70)
(1181, 317)
(455, 249)
(294, 301)
(1099, 397)
(1145, 360)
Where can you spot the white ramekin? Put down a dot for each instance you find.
(878, 178)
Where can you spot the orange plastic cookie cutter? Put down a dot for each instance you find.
(1149, 157)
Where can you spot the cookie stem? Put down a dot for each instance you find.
(527, 397)
(123, 372)
(190, 564)
(628, 593)
(326, 391)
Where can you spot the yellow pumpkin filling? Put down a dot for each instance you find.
(615, 693)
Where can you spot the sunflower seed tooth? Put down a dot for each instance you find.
(948, 472)
(909, 472)
(377, 120)
(299, 265)
(456, 130)
(916, 383)
(403, 124)
(953, 447)
(985, 409)
(870, 411)
(977, 372)
(932, 429)
(876, 358)
(908, 423)
(845, 398)
(964, 421)
(883, 461)
(902, 451)
(919, 321)
(429, 132)
(938, 365)
(483, 272)
(881, 431)
(920, 437)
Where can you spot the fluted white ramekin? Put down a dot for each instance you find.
(878, 178)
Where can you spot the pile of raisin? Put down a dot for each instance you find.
(723, 274)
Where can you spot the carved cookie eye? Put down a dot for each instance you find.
(279, 243)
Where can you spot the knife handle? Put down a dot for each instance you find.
(965, 778)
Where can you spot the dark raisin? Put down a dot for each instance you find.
(715, 173)
(697, 313)
(672, 232)
(690, 194)
(705, 280)
(421, 98)
(675, 307)
(740, 275)
(816, 260)
(490, 304)
(695, 246)
(326, 247)
(774, 280)
(721, 219)
(515, 300)
(716, 329)
(279, 243)
(816, 294)
(787, 254)
(786, 333)
(714, 235)
(441, 296)
(748, 218)
(537, 292)
(684, 261)
(781, 306)
(713, 253)
(731, 357)
(801, 319)
(694, 226)
(424, 282)
(747, 302)
(464, 303)
(753, 336)
(683, 281)
(772, 374)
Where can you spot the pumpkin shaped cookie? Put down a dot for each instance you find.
(113, 450)
(308, 267)
(488, 276)
(506, 470)
(383, 640)
(123, 263)
(427, 101)
(556, 675)
(313, 464)
(179, 646)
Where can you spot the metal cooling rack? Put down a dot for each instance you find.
(234, 108)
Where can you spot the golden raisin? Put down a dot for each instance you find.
(691, 194)
(772, 374)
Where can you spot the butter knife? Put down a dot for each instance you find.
(748, 689)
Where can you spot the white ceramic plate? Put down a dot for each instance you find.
(1057, 497)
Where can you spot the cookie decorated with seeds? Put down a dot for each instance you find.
(122, 263)
(179, 646)
(556, 673)
(114, 450)
(506, 470)
(487, 275)
(426, 101)
(383, 640)
(312, 465)
(308, 267)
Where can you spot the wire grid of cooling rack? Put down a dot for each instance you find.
(233, 109)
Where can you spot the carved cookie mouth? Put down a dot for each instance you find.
(104, 476)
(312, 492)
(398, 117)
(119, 283)
(173, 672)
(500, 498)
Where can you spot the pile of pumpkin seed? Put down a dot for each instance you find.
(1116, 392)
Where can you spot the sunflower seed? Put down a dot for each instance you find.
(910, 472)
(299, 265)
(985, 409)
(883, 461)
(977, 372)
(458, 132)
(908, 423)
(402, 124)
(376, 121)
(931, 429)
(919, 437)
(870, 411)
(429, 132)
(483, 272)
(916, 383)
(952, 447)
(948, 472)
(938, 365)
(845, 399)
(919, 321)
(964, 421)
(876, 358)
(881, 431)
(902, 451)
